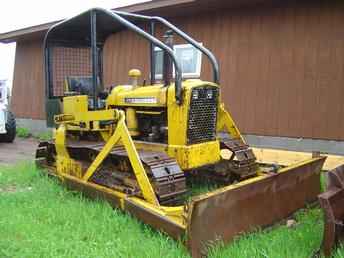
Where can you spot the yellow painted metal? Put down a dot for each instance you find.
(176, 214)
(287, 158)
(88, 119)
(122, 133)
(64, 163)
(154, 100)
(149, 112)
(127, 95)
(151, 146)
(68, 166)
(136, 73)
(102, 154)
(131, 119)
(106, 135)
(195, 155)
(63, 118)
(225, 121)
(100, 188)
(99, 115)
(180, 214)
(188, 156)
(60, 141)
(75, 104)
(178, 115)
(139, 171)
(75, 109)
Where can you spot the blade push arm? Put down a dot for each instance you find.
(122, 133)
(225, 121)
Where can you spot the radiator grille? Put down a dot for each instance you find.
(202, 114)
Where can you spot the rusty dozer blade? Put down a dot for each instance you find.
(256, 202)
(332, 203)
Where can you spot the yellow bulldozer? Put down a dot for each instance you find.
(169, 153)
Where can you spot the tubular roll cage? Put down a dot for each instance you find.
(118, 16)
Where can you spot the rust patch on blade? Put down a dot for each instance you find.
(263, 202)
(332, 203)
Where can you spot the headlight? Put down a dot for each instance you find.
(209, 94)
(195, 94)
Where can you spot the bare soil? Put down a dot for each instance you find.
(20, 150)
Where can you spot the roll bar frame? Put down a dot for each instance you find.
(118, 16)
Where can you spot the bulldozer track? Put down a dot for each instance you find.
(240, 165)
(166, 177)
(243, 161)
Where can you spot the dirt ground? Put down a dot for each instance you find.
(20, 150)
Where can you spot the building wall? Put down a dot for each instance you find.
(281, 67)
(28, 88)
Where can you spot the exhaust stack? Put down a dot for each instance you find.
(167, 62)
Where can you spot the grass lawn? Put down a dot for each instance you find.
(39, 218)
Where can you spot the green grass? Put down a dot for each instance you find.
(40, 218)
(43, 136)
(23, 132)
(279, 241)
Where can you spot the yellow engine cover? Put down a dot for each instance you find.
(188, 156)
(195, 155)
(144, 96)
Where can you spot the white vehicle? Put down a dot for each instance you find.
(7, 119)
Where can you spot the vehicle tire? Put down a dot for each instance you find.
(10, 128)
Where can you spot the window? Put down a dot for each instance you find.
(188, 56)
(159, 56)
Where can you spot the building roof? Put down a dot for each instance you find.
(165, 8)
